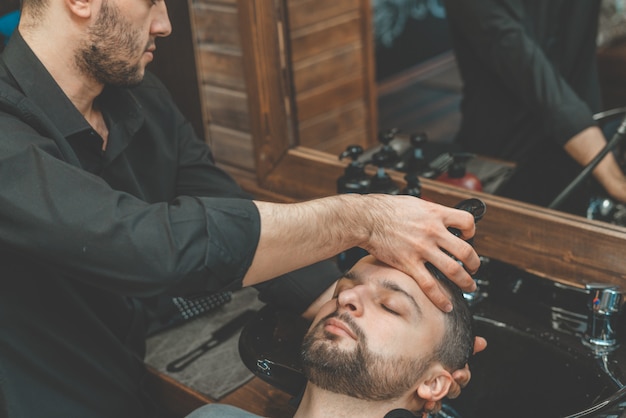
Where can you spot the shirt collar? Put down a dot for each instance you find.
(38, 85)
(118, 103)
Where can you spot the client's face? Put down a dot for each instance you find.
(375, 338)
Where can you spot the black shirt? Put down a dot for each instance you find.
(84, 234)
(529, 82)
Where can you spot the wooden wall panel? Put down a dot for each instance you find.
(215, 23)
(328, 97)
(222, 68)
(341, 122)
(337, 145)
(322, 37)
(324, 68)
(328, 64)
(233, 147)
(229, 108)
(308, 12)
(221, 71)
(330, 56)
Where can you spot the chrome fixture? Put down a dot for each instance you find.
(482, 283)
(604, 304)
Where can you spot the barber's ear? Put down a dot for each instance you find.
(81, 8)
(436, 385)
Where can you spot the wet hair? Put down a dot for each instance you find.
(457, 344)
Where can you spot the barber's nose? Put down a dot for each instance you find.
(161, 25)
(351, 301)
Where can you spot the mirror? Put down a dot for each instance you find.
(419, 86)
(271, 159)
(546, 242)
(322, 49)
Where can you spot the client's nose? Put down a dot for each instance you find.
(350, 300)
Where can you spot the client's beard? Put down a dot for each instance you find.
(358, 373)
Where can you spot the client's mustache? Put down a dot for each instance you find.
(347, 319)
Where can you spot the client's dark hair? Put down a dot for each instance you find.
(457, 344)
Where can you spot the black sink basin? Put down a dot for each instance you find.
(526, 375)
(533, 366)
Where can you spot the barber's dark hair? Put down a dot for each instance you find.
(457, 344)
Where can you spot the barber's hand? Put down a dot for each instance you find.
(461, 379)
(406, 232)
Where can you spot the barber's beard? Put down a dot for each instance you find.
(357, 373)
(109, 54)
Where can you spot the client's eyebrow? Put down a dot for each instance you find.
(389, 285)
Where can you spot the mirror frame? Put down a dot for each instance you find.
(551, 244)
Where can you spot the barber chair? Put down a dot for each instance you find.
(269, 346)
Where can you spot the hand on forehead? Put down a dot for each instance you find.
(369, 270)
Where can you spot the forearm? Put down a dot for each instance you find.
(402, 231)
(296, 235)
(584, 147)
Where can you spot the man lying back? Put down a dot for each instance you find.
(378, 346)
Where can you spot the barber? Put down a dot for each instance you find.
(530, 89)
(108, 196)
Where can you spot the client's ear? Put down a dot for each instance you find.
(80, 8)
(436, 384)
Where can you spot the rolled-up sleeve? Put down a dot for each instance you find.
(58, 214)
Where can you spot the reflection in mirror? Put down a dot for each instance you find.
(242, 81)
(420, 89)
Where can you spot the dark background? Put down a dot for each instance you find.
(420, 41)
(7, 6)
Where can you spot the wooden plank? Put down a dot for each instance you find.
(217, 24)
(264, 72)
(248, 181)
(233, 147)
(369, 71)
(332, 65)
(221, 67)
(335, 123)
(303, 13)
(261, 399)
(327, 67)
(336, 145)
(329, 96)
(305, 173)
(228, 108)
(335, 33)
